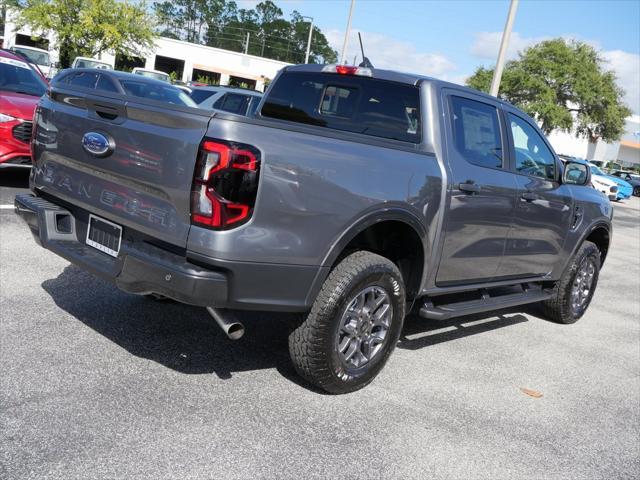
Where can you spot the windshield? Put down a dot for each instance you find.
(18, 77)
(93, 64)
(158, 76)
(39, 58)
(596, 171)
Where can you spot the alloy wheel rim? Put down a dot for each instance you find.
(364, 327)
(582, 284)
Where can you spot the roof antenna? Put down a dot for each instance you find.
(365, 61)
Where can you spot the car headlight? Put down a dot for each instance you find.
(4, 118)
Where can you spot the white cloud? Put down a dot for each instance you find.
(626, 65)
(627, 68)
(487, 44)
(389, 53)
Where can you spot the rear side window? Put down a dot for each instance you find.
(160, 93)
(476, 132)
(233, 102)
(348, 103)
(105, 84)
(82, 79)
(200, 96)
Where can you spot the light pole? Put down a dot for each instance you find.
(306, 57)
(346, 34)
(497, 73)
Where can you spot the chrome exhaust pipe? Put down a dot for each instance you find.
(234, 330)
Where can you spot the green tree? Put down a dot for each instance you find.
(90, 27)
(563, 85)
(221, 24)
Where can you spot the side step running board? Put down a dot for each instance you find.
(485, 304)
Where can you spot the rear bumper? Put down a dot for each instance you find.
(142, 268)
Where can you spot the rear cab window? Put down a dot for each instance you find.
(356, 104)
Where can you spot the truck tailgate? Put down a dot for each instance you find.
(142, 181)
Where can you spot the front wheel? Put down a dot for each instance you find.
(353, 326)
(572, 294)
(636, 191)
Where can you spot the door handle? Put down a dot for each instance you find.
(469, 187)
(529, 196)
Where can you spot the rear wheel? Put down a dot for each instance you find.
(353, 326)
(573, 293)
(636, 191)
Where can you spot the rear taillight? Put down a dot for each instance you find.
(225, 184)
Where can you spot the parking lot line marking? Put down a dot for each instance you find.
(6, 207)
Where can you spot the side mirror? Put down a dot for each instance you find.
(576, 173)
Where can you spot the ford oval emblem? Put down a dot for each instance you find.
(97, 144)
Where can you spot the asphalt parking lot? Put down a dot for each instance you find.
(96, 383)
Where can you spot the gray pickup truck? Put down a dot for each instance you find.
(354, 196)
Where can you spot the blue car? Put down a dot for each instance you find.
(625, 189)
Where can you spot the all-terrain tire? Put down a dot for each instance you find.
(313, 346)
(562, 306)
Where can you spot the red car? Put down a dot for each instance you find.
(21, 86)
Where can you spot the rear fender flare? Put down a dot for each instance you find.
(369, 219)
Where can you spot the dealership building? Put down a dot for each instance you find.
(626, 151)
(188, 61)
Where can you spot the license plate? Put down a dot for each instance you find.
(104, 235)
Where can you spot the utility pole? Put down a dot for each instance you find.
(246, 45)
(306, 57)
(497, 73)
(346, 34)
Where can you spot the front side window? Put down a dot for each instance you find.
(349, 103)
(533, 157)
(476, 131)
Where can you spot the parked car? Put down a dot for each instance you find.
(21, 86)
(625, 190)
(155, 74)
(353, 196)
(606, 186)
(227, 99)
(86, 62)
(39, 57)
(631, 178)
(121, 84)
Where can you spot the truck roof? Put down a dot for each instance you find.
(400, 77)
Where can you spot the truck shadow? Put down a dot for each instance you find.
(180, 337)
(420, 333)
(187, 340)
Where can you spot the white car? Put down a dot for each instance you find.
(37, 56)
(604, 185)
(86, 62)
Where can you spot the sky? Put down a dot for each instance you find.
(449, 39)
